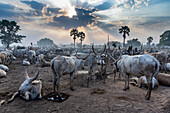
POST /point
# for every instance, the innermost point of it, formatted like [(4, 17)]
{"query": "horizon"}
[(97, 18)]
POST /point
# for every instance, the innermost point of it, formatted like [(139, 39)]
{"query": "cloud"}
[(17, 4), (5, 10), (97, 18)]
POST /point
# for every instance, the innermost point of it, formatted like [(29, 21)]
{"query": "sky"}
[(54, 19)]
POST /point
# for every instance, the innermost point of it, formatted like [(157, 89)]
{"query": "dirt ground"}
[(98, 98)]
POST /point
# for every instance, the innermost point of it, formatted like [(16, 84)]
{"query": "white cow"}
[(30, 89), (31, 56), (39, 59), (138, 65), (62, 65)]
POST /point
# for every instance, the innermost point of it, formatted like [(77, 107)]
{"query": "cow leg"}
[(72, 76), (89, 75), (119, 76), (165, 68), (149, 81), (40, 96), (125, 82), (54, 84), (58, 84), (128, 82), (115, 76), (27, 95)]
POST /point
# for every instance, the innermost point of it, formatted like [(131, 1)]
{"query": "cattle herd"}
[(142, 69)]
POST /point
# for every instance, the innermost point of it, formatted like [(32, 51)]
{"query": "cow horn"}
[(110, 49), (103, 50), (93, 49), (26, 74), (84, 57), (110, 56), (32, 79)]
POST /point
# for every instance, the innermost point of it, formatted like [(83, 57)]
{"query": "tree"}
[(149, 39), (74, 33), (8, 32), (165, 39), (46, 42), (133, 42), (124, 30), (114, 43), (82, 37)]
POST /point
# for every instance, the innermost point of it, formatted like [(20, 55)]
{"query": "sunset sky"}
[(97, 18)]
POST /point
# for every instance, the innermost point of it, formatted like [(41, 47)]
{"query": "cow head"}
[(80, 63), (81, 60), (26, 85), (99, 58)]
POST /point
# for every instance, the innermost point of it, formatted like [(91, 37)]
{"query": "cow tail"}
[(157, 69), (52, 67)]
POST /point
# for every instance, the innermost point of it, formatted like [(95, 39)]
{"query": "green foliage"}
[(149, 39), (74, 33), (124, 30), (133, 42), (114, 43), (45, 42), (8, 32), (81, 35), (165, 39)]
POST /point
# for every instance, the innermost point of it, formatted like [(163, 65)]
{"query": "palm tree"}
[(74, 32), (149, 39), (82, 36), (124, 30)]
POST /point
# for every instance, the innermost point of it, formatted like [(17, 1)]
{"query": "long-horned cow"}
[(30, 89), (138, 65), (62, 65), (116, 54), (94, 58)]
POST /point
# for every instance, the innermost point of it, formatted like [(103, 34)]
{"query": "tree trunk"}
[(74, 41), (81, 43), (124, 37)]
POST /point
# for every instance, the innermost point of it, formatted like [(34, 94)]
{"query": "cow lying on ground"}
[(138, 65), (45, 63), (30, 89), (142, 82), (3, 57)]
